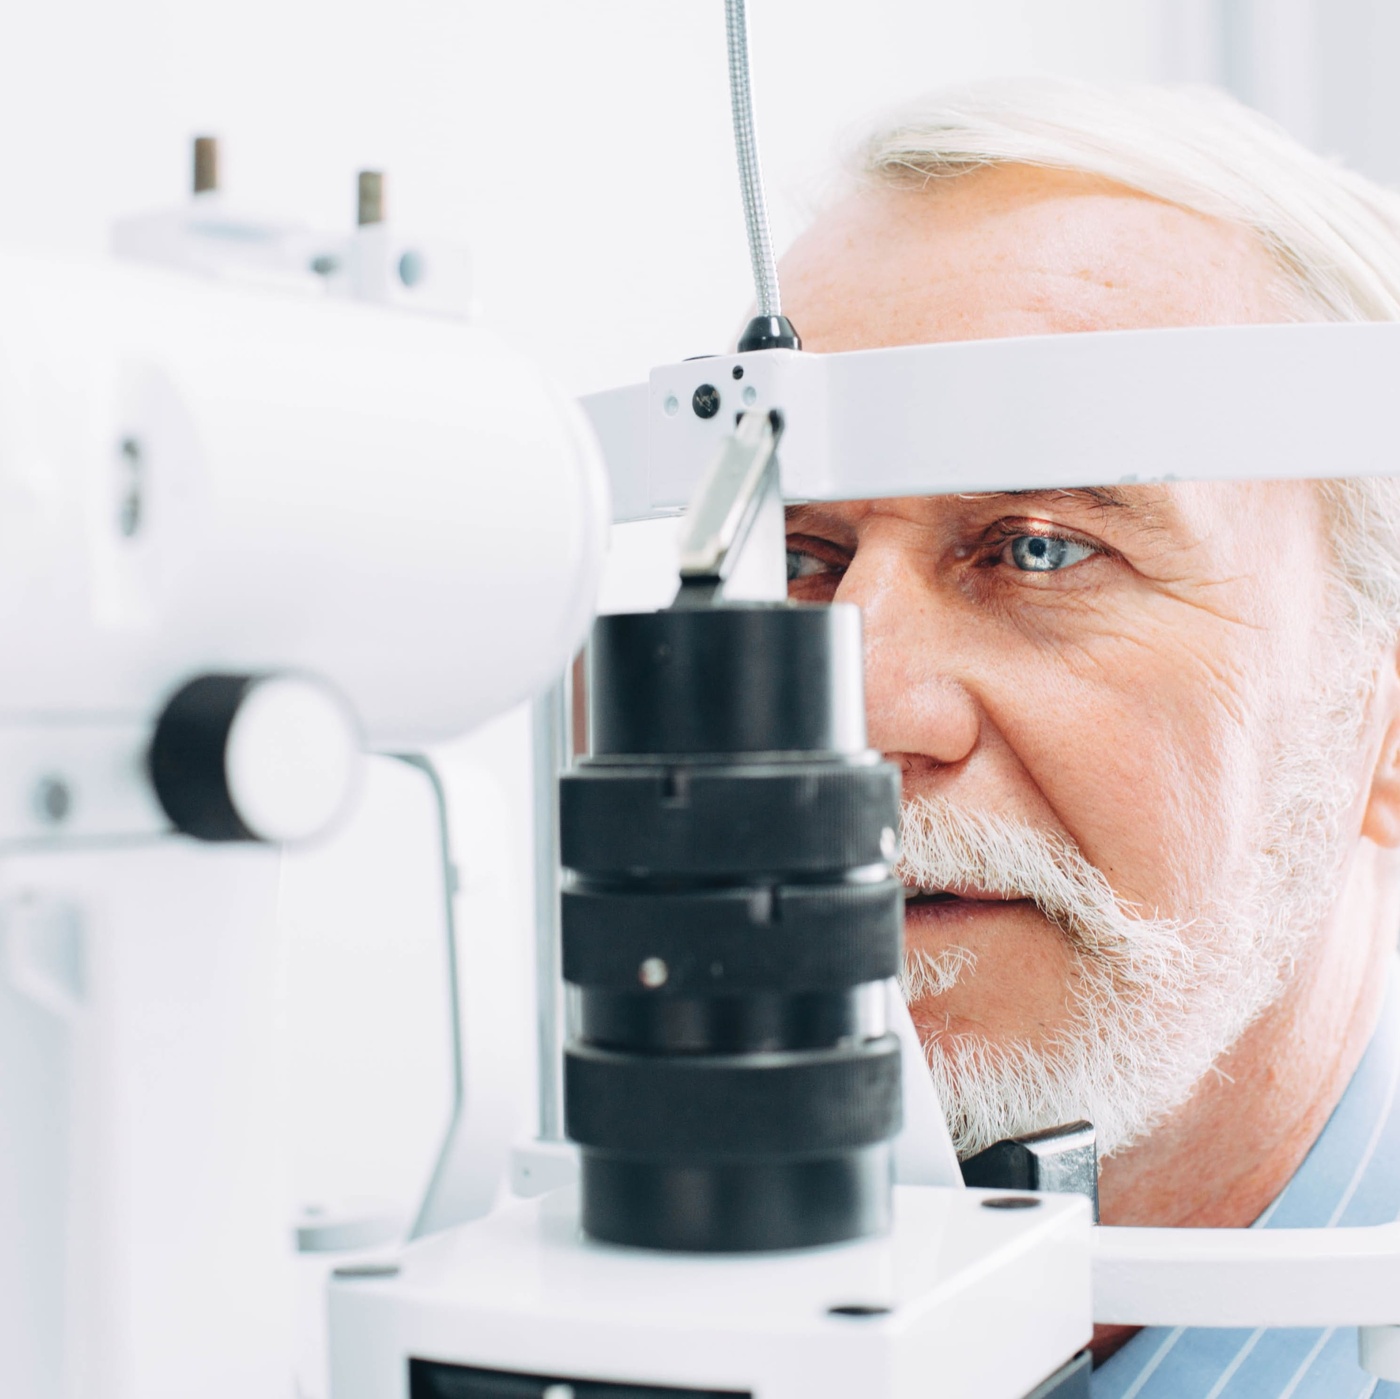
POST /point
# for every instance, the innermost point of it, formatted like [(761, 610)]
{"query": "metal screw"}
[(370, 202), (53, 800), (738, 371), (705, 401), (889, 844), (206, 164), (653, 973)]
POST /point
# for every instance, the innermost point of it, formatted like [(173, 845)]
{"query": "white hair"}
[(1333, 234)]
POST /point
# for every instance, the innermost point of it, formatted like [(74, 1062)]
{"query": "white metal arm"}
[(1198, 403), (1248, 1277)]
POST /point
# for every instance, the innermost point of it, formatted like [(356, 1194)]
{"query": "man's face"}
[(1124, 674)]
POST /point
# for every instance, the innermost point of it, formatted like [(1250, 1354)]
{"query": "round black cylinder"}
[(729, 918), (751, 678), (736, 1207), (186, 760)]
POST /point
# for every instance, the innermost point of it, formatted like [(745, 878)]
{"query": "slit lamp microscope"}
[(235, 471)]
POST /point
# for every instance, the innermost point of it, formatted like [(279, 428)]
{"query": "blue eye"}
[(1043, 553), (803, 565)]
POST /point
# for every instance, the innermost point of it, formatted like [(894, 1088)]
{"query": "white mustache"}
[(943, 847)]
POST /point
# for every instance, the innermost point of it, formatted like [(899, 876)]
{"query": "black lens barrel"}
[(728, 921)]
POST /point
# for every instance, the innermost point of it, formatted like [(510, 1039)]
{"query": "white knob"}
[(269, 758)]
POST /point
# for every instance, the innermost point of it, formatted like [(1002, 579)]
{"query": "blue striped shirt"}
[(1350, 1177)]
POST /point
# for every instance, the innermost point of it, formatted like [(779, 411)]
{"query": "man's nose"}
[(919, 708)]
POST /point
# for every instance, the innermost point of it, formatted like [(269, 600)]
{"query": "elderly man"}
[(1150, 735)]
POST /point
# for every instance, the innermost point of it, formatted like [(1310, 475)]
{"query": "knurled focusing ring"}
[(783, 938), (743, 1107), (703, 821)]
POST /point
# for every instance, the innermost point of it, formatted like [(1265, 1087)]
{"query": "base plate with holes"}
[(524, 1294)]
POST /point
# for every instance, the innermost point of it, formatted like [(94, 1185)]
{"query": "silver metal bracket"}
[(733, 545)]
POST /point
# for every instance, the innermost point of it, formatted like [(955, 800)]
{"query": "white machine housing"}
[(203, 478)]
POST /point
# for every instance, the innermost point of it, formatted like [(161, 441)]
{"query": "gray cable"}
[(765, 269), (429, 1206)]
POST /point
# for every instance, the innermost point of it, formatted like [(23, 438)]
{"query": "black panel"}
[(431, 1379)]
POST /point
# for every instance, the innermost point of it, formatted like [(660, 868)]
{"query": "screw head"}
[(53, 800), (705, 401), (889, 844), (653, 973)]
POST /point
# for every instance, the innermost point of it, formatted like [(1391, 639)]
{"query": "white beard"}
[(1157, 1000)]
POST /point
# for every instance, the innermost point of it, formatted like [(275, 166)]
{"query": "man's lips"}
[(964, 906), (961, 893)]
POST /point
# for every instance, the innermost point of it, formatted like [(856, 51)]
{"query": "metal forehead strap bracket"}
[(733, 544)]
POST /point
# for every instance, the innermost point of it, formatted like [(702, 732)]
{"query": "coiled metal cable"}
[(765, 267)]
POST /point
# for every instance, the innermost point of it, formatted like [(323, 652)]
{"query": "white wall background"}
[(582, 149)]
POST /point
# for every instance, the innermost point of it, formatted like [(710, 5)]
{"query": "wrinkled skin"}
[(1128, 698)]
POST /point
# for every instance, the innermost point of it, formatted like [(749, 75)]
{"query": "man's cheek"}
[(1145, 765)]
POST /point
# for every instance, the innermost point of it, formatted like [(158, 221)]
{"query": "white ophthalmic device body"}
[(267, 491)]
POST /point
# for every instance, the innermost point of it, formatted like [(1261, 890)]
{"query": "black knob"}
[(271, 757)]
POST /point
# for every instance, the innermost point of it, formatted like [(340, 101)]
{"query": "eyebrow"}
[(1150, 513), (1105, 497)]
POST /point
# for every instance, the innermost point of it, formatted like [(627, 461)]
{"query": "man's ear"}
[(1381, 820)]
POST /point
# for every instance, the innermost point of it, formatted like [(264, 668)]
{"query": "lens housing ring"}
[(741, 1107), (723, 941), (822, 816)]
